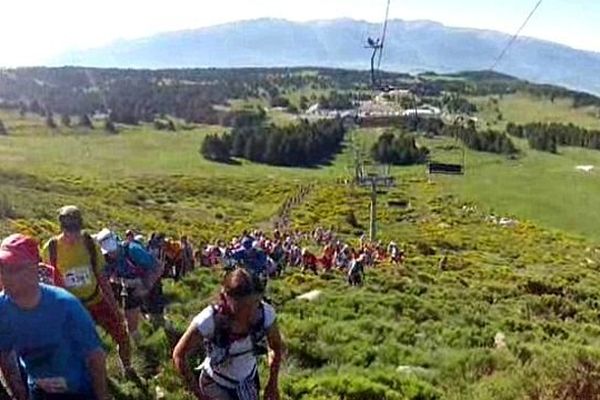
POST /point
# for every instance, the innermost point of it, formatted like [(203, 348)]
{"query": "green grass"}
[(412, 332), (523, 108), (538, 186), (140, 177)]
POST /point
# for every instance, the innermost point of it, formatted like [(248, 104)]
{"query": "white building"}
[(424, 112)]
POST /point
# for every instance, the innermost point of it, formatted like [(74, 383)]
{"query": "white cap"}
[(107, 240)]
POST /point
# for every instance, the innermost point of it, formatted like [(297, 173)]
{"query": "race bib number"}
[(52, 385), (78, 277)]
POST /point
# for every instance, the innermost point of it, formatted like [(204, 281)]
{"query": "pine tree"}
[(65, 119), (85, 121)]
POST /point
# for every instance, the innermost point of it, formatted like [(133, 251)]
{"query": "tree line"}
[(398, 148), (133, 96), (548, 136), (488, 141), (336, 101), (300, 145)]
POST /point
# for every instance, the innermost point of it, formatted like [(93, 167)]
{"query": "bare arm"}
[(12, 375), (277, 348), (107, 293), (189, 343), (96, 362)]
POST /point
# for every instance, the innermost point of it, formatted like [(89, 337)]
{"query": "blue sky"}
[(34, 30)]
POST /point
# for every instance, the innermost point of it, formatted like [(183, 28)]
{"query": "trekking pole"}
[(124, 293)]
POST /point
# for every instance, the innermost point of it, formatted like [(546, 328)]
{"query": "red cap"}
[(19, 250)]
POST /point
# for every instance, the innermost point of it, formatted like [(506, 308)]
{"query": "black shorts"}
[(126, 299), (154, 303)]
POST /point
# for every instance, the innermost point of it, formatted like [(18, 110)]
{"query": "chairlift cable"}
[(383, 34), (515, 36)]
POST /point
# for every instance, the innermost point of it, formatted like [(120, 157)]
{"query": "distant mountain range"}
[(411, 46)]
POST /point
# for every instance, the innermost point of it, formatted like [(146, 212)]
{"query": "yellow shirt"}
[(75, 265)]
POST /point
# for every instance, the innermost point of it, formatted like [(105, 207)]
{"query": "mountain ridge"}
[(412, 46)]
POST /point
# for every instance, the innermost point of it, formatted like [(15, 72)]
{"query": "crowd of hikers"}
[(270, 256), (53, 298)]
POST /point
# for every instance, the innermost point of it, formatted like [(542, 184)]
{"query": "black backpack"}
[(218, 347)]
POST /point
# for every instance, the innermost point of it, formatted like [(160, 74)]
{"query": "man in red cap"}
[(49, 331)]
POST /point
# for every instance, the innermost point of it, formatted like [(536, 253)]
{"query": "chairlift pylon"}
[(377, 45)]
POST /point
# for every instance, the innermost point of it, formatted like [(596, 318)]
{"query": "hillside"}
[(416, 332), (411, 46), (511, 314)]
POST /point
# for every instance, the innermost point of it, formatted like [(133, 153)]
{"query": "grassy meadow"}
[(522, 108), (512, 314)]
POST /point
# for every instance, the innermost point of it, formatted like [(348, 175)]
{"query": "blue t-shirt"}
[(52, 340), (133, 261)]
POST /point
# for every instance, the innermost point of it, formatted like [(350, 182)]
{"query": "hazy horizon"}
[(40, 30)]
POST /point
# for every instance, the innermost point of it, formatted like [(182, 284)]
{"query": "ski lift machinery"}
[(377, 47)]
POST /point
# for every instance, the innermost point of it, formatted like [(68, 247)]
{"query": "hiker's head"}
[(247, 243), (19, 259), (108, 241), (129, 235), (70, 219), (161, 239), (239, 292)]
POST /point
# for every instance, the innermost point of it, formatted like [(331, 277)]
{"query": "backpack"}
[(218, 347), (146, 260), (91, 249)]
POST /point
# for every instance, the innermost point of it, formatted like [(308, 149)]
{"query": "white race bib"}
[(78, 277)]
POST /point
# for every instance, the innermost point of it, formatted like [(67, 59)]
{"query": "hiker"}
[(187, 256), (129, 236), (133, 271), (79, 261), (233, 332), (140, 239), (356, 271), (250, 257), (342, 258), (396, 254), (309, 261), (48, 275), (45, 332), (327, 257), (278, 256), (156, 245)]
